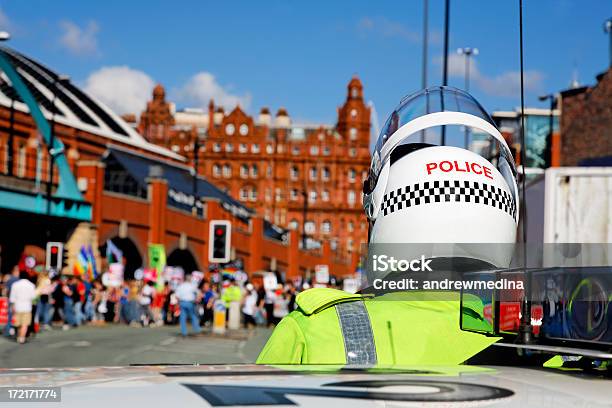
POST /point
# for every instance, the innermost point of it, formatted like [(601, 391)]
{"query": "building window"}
[(244, 194), (352, 152), (278, 194), (269, 171), (269, 149), (216, 170), (353, 113), (312, 196), (349, 245), (244, 129), (253, 194), (294, 195), (325, 195), (313, 173), (350, 226), (294, 173), (244, 171), (229, 129), (325, 174), (351, 175), (294, 224), (351, 197), (243, 148), (217, 147), (326, 227), (254, 171), (295, 151), (229, 147), (326, 151), (176, 148), (227, 171), (255, 148), (310, 227), (21, 162), (314, 150), (353, 133)]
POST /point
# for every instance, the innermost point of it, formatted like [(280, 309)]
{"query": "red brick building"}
[(586, 123), (140, 192), (298, 176)]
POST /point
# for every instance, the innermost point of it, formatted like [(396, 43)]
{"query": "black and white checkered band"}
[(448, 191)]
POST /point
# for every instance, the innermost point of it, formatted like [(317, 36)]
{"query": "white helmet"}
[(423, 188)]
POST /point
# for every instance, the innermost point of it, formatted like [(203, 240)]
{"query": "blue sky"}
[(301, 55)]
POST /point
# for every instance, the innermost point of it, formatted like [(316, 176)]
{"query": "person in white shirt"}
[(249, 306), (187, 294), (23, 293), (146, 298)]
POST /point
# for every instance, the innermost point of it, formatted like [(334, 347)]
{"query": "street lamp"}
[(608, 30), (304, 216), (467, 52), (60, 79), (549, 137)]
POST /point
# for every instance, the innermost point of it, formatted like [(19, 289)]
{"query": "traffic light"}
[(55, 256), (219, 241)]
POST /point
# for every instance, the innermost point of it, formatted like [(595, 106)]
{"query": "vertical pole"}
[(445, 70), (304, 215), (550, 133), (425, 45), (467, 89), (196, 147)]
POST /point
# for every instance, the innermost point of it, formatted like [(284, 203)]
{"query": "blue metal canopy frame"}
[(67, 200)]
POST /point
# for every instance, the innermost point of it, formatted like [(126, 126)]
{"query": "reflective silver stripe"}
[(357, 333)]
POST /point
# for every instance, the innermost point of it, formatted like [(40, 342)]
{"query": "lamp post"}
[(52, 152), (467, 53), (445, 64), (548, 149), (608, 30)]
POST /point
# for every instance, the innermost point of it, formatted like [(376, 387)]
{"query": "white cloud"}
[(123, 89), (387, 28), (506, 84), (202, 87), (77, 40)]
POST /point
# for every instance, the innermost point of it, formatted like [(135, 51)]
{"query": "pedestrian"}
[(208, 301), (69, 318), (14, 277), (44, 288), (249, 306), (146, 299), (23, 293), (187, 295), (281, 305)]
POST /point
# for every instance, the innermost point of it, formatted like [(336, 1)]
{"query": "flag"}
[(157, 260), (113, 254)]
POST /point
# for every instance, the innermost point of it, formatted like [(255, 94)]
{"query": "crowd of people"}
[(44, 302)]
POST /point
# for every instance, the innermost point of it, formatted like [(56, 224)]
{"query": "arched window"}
[(313, 173), (254, 171), (351, 197), (216, 169), (325, 175), (310, 227), (244, 171), (352, 174), (294, 173), (312, 196), (227, 171), (325, 195), (294, 224), (326, 227)]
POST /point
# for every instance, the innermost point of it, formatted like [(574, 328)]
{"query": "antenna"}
[(525, 329)]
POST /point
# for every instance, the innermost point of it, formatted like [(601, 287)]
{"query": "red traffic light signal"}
[(219, 241)]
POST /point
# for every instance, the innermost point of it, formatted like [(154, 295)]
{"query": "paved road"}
[(117, 345)]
